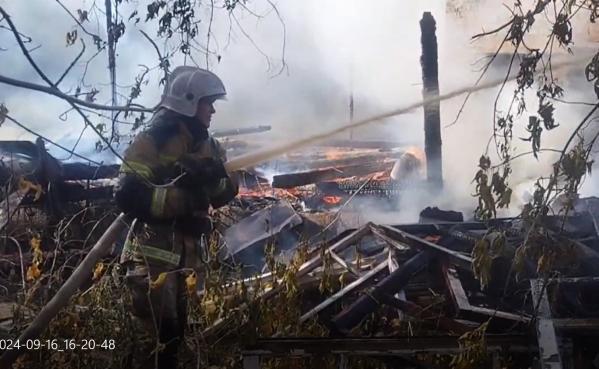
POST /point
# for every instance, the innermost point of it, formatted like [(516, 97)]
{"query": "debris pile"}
[(283, 281)]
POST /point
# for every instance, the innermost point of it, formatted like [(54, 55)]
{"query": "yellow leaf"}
[(98, 271), (191, 283), (36, 249), (159, 281), (25, 186), (35, 243), (33, 272)]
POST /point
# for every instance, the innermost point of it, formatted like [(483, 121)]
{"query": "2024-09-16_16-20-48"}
[(57, 344)]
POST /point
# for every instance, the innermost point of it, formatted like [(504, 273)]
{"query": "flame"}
[(332, 200), (250, 193), (417, 152), (268, 191), (334, 154)]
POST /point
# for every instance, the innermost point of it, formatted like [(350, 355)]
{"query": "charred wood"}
[(464, 308), (344, 291), (455, 257), (547, 339), (383, 346), (311, 163), (304, 178), (432, 120), (415, 311), (240, 131), (367, 303)]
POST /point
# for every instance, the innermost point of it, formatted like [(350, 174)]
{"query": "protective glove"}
[(201, 171), (133, 197)]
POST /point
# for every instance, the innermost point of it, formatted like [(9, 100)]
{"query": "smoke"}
[(460, 61), (332, 49)]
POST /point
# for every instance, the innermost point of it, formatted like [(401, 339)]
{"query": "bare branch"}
[(55, 91), (66, 72), (71, 99), (251, 40), (163, 62), (97, 39), (23, 48), (283, 49), (27, 38), (577, 130), (77, 142), (498, 29), (50, 141), (208, 34)]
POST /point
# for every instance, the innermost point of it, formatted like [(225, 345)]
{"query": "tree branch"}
[(22, 45), (56, 92), (72, 64), (161, 60), (49, 140), (97, 39)]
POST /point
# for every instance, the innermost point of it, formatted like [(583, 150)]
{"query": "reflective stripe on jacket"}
[(152, 156)]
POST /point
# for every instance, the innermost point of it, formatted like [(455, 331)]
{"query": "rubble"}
[(400, 293)]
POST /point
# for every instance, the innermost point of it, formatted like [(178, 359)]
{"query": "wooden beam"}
[(304, 269), (378, 233), (344, 264), (462, 304), (388, 346), (304, 178), (458, 258), (365, 304), (430, 90), (419, 313), (547, 339), (344, 291)]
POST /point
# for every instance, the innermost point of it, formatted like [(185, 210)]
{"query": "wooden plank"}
[(304, 269), (576, 325), (344, 291), (400, 295), (456, 257), (462, 304), (381, 345), (350, 317), (456, 290), (240, 131), (419, 313), (378, 233), (348, 159), (546, 337), (291, 180), (339, 246), (342, 262)]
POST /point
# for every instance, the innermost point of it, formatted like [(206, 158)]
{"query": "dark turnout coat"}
[(171, 218)]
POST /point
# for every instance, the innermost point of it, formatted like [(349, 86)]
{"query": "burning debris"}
[(438, 293)]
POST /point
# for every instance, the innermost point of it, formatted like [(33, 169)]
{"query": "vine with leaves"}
[(534, 73)]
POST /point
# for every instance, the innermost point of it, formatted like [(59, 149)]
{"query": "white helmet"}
[(187, 85)]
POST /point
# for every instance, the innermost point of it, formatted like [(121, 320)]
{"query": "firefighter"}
[(172, 174)]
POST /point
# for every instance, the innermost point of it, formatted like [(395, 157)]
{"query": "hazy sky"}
[(332, 47), (329, 46)]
